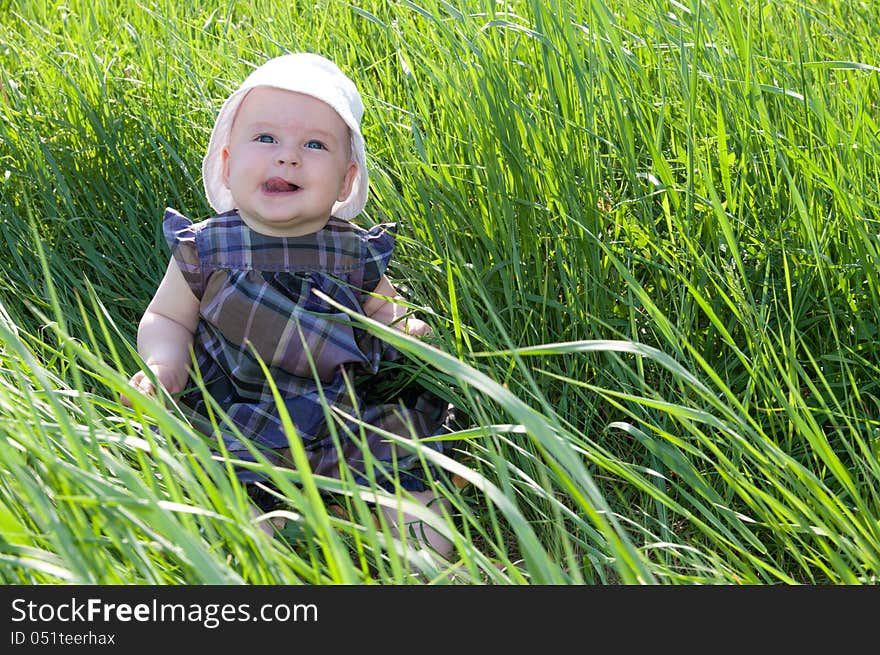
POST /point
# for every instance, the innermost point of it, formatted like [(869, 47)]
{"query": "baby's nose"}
[(288, 156)]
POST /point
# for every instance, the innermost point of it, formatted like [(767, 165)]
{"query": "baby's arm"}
[(386, 311), (165, 334)]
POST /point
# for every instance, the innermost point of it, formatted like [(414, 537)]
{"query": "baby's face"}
[(287, 162)]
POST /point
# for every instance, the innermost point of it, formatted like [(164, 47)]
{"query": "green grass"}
[(646, 235)]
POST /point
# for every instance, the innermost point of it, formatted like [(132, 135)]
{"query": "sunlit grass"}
[(646, 235)]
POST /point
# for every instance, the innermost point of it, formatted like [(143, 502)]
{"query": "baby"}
[(285, 170)]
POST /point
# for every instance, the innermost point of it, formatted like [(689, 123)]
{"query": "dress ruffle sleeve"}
[(378, 248), (181, 239)]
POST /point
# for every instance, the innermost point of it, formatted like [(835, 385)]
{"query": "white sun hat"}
[(311, 75)]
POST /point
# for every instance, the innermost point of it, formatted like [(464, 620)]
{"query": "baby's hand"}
[(416, 327), (141, 381)]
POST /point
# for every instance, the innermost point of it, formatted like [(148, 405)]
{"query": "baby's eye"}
[(265, 138), (315, 145)]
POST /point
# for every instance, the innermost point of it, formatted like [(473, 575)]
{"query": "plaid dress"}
[(256, 300)]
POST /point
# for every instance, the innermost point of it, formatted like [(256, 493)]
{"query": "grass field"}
[(646, 233)]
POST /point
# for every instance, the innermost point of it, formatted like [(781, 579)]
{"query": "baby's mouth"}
[(279, 185)]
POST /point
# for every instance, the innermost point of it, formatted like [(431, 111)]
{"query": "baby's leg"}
[(264, 501), (414, 530), (267, 525)]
